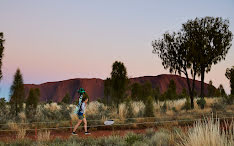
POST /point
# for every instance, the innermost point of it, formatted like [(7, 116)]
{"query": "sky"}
[(54, 40)]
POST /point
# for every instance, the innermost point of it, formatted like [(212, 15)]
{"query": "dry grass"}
[(21, 133), (43, 136), (20, 130), (208, 133), (122, 111), (137, 107), (22, 116), (73, 116), (94, 106), (52, 107)]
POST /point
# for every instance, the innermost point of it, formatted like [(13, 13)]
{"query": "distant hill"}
[(55, 91)]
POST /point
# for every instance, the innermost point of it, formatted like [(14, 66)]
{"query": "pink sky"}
[(51, 41)]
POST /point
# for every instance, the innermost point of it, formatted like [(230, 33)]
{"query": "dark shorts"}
[(81, 116)]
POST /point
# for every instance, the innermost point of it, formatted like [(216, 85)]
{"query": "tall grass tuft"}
[(209, 133), (43, 136)]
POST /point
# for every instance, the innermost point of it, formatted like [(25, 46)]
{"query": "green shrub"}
[(131, 138), (149, 132), (112, 140), (217, 107), (163, 108), (228, 99), (174, 109), (201, 103), (149, 107), (160, 138), (187, 104)]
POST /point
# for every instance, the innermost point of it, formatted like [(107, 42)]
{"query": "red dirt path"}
[(66, 134)]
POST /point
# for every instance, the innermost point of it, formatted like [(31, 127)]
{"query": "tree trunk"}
[(202, 81), (193, 87), (190, 92)]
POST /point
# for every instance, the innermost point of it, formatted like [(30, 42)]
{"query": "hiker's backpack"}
[(81, 91)]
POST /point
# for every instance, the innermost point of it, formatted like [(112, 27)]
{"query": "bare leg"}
[(85, 124), (77, 125)]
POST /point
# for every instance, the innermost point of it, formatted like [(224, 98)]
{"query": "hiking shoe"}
[(87, 133), (73, 133)]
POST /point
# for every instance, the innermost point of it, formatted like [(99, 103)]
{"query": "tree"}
[(211, 89), (107, 90), (1, 52), (149, 107), (179, 55), (119, 82), (136, 91), (146, 91), (32, 102), (221, 90), (230, 75), (17, 93), (183, 94), (156, 93), (211, 38), (171, 91), (66, 98)]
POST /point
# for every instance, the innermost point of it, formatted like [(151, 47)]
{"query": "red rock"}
[(55, 91)]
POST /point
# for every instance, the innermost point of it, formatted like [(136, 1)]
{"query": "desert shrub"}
[(174, 109), (229, 99), (141, 143), (208, 133), (160, 138), (131, 138), (149, 132), (187, 104), (163, 108), (129, 109), (217, 106), (149, 107), (4, 111), (43, 136), (201, 103), (112, 140), (122, 111), (23, 142), (138, 108)]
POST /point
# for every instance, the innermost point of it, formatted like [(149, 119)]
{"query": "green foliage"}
[(32, 102), (211, 89), (1, 52), (183, 94), (219, 106), (129, 109), (17, 93), (229, 99), (141, 92), (174, 109), (163, 108), (230, 75), (187, 104), (136, 91), (149, 107), (156, 93), (66, 98), (3, 110), (2, 104), (131, 138), (201, 103), (178, 56), (107, 90), (212, 39), (170, 94), (116, 86)]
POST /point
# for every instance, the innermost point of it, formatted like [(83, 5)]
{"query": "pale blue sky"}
[(52, 40)]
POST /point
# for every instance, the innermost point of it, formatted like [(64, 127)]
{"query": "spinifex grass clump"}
[(209, 133)]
